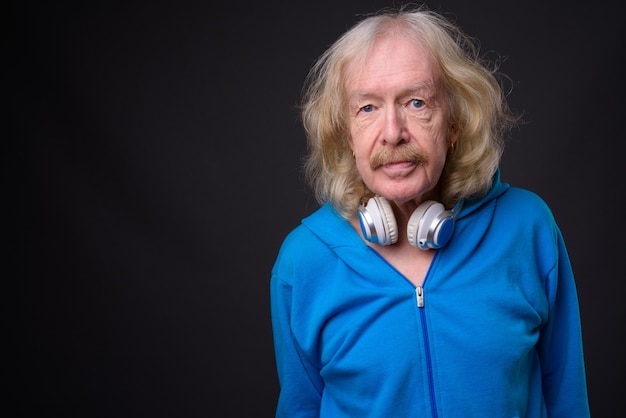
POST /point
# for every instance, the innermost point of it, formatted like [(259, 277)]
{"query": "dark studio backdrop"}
[(153, 169)]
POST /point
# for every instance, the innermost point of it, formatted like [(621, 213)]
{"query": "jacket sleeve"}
[(560, 345), (300, 383)]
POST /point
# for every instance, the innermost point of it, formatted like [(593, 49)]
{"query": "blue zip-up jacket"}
[(493, 332)]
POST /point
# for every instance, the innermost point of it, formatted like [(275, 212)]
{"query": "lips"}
[(398, 164), (399, 169)]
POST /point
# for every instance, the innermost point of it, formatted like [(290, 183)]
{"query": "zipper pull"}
[(419, 293)]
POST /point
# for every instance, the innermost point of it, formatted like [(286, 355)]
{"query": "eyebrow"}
[(423, 88)]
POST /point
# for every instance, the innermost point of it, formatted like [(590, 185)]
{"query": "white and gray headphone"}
[(430, 225)]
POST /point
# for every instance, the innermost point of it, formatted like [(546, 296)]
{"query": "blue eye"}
[(367, 108), (417, 103)]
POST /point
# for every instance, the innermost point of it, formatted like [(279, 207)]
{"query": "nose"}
[(394, 128)]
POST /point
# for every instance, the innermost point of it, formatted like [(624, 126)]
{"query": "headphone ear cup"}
[(430, 226), (378, 223)]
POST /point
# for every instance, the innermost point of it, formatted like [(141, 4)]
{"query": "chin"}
[(400, 197), (403, 196)]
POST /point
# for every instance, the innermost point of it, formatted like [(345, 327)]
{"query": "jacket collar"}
[(471, 205)]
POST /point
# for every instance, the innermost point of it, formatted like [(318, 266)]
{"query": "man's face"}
[(398, 120)]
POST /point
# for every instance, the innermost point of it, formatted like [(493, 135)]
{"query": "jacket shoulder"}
[(526, 204), (301, 255)]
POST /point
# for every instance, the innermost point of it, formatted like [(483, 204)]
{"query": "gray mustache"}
[(397, 154)]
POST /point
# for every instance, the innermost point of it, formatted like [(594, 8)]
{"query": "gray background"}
[(153, 169)]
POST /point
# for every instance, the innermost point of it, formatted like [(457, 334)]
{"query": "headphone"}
[(430, 225)]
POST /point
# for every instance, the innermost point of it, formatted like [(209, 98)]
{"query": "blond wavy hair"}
[(478, 109)]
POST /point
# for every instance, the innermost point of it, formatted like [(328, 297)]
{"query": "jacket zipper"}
[(419, 293)]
